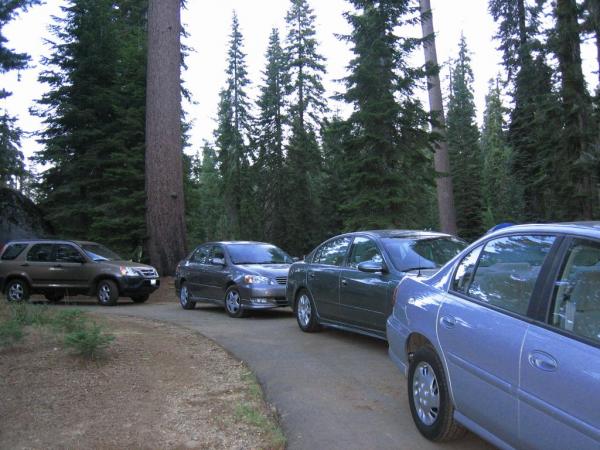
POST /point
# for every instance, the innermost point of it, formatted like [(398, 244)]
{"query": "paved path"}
[(333, 390)]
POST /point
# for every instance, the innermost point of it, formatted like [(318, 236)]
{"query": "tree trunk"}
[(164, 166), (445, 195)]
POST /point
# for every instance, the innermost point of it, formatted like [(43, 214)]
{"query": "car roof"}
[(586, 228), (237, 243), (49, 241), (415, 234)]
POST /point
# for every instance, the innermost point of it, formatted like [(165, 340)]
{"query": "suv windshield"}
[(100, 253), (257, 254), (429, 253)]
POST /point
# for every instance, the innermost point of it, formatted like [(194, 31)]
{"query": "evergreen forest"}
[(283, 166)]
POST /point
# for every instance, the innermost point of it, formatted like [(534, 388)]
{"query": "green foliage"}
[(89, 341), (11, 332), (94, 113), (27, 314), (69, 321), (463, 146)]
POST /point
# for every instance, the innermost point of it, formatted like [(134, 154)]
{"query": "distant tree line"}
[(283, 167)]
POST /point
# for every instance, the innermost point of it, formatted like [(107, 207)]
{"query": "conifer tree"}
[(502, 196), (389, 168), (12, 166), (232, 137), (463, 146)]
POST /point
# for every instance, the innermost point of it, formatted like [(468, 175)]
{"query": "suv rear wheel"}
[(107, 292), (17, 290)]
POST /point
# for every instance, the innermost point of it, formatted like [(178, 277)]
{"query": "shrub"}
[(89, 341), (69, 320), (11, 332), (26, 314)]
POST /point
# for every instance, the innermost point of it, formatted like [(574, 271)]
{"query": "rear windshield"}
[(430, 253), (12, 251), (99, 252), (257, 254)]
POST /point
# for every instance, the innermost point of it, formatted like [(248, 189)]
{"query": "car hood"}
[(266, 270)]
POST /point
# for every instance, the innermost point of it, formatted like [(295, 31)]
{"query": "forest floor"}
[(157, 386)]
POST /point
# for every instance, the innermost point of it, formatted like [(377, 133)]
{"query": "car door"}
[(482, 325), (365, 297), (38, 263), (323, 276), (70, 269), (559, 393), (193, 271), (216, 274)]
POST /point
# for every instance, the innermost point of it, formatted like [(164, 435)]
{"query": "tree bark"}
[(445, 195), (164, 166)]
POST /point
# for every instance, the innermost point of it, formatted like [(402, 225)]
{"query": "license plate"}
[(152, 282)]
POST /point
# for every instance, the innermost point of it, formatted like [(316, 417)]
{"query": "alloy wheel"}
[(183, 296), (304, 310), (16, 292), (104, 294), (233, 301)]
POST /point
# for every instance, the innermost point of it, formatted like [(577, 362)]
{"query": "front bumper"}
[(138, 285), (263, 297)]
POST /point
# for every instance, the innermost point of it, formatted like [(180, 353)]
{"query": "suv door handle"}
[(448, 321), (311, 275), (57, 265), (542, 361)]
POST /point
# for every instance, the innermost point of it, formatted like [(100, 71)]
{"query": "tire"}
[(305, 312), (233, 304), (430, 404), (17, 291), (54, 297), (184, 298), (140, 298), (107, 292)]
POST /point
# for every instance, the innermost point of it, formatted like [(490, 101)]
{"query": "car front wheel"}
[(107, 293), (233, 303), (184, 298), (17, 291), (305, 312), (430, 403)]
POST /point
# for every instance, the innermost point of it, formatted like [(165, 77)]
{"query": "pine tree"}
[(389, 160), (232, 137), (463, 146), (12, 166), (270, 128), (306, 109), (502, 195)]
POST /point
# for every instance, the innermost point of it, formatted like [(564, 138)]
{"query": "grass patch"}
[(89, 341), (11, 332)]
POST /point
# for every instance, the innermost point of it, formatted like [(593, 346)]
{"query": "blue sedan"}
[(505, 340)]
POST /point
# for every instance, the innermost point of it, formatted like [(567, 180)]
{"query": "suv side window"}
[(576, 299), (66, 253), (200, 256), (332, 253), (40, 253), (507, 271), (364, 249), (12, 251)]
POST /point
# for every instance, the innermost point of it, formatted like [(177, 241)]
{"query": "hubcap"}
[(183, 295), (16, 292), (233, 301), (104, 293), (426, 393), (304, 310)]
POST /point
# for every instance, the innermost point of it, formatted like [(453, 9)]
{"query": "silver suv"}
[(57, 268)]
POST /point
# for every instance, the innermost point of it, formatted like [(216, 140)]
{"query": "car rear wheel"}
[(430, 403), (184, 298), (54, 297), (306, 313), (140, 298), (233, 303), (107, 293), (17, 291)]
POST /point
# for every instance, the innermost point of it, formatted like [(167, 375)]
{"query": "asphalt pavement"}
[(332, 389)]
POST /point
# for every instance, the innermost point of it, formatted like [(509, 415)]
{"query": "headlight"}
[(257, 279), (128, 272)]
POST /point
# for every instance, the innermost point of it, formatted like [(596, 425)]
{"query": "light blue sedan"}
[(505, 340)]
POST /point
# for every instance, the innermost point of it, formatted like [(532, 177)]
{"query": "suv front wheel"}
[(107, 292), (17, 290)]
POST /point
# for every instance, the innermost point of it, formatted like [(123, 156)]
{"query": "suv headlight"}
[(257, 279), (128, 272)]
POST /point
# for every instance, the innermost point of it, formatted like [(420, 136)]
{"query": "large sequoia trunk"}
[(164, 167), (445, 195)]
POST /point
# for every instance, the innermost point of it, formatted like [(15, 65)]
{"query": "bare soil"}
[(158, 386)]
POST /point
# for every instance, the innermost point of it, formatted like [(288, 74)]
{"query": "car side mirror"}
[(217, 261), (372, 267)]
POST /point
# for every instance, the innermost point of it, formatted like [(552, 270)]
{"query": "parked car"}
[(348, 281), (505, 340), (239, 275), (55, 268)]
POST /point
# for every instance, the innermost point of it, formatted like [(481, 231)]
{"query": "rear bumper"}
[(138, 285)]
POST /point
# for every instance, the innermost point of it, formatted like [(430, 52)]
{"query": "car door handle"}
[(344, 282), (311, 275), (448, 321), (543, 361)]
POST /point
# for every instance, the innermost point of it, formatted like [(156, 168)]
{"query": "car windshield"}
[(257, 254), (100, 253), (429, 253)]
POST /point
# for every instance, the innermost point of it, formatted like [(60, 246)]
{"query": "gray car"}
[(239, 275)]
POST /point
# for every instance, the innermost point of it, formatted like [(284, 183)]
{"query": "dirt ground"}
[(159, 386)]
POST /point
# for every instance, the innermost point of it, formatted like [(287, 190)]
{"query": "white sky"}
[(209, 26)]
